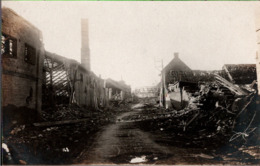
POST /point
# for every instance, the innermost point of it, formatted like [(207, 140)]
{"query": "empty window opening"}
[(29, 54), (9, 46)]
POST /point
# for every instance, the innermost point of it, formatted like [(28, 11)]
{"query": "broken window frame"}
[(29, 54), (8, 46)]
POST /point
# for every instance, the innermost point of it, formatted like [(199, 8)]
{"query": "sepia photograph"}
[(136, 83)]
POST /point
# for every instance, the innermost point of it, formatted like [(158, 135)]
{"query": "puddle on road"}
[(141, 159), (138, 106), (144, 157), (65, 149)]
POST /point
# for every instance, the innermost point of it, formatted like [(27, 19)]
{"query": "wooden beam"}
[(57, 123), (230, 85), (228, 73)]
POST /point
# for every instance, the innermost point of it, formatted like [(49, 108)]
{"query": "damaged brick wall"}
[(22, 62), (21, 77)]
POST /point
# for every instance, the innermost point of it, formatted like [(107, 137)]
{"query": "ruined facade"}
[(36, 79), (175, 70), (22, 61)]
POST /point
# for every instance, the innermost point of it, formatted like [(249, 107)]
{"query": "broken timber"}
[(230, 86), (228, 73), (194, 117), (56, 123)]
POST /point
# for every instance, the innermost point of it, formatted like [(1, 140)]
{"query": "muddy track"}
[(122, 141)]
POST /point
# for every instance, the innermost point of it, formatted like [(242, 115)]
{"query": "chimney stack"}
[(176, 55), (85, 52)]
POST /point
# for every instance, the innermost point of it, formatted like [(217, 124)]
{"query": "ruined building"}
[(117, 90), (172, 71), (181, 82), (22, 61), (34, 79)]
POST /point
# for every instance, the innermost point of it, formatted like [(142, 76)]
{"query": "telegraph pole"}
[(159, 66), (162, 86)]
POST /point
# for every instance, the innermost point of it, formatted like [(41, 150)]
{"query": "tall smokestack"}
[(85, 52), (176, 55)]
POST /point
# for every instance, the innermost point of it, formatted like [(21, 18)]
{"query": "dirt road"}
[(123, 142), (131, 137)]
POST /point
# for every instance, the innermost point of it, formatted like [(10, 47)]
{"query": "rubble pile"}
[(75, 112), (63, 112), (119, 103), (218, 110), (221, 119), (36, 143)]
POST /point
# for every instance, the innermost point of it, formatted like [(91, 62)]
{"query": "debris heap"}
[(219, 109)]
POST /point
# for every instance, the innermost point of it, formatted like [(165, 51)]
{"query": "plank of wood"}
[(230, 86), (229, 75), (192, 119), (56, 123)]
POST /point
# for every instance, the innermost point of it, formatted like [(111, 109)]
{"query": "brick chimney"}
[(85, 52), (176, 55)]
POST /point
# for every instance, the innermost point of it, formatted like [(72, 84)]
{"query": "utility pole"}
[(163, 86), (159, 66)]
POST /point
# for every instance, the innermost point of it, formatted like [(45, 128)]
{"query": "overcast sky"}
[(126, 38)]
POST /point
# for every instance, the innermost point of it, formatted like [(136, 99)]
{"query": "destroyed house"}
[(117, 90), (176, 70), (22, 60), (181, 83), (181, 91)]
